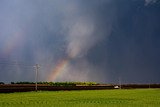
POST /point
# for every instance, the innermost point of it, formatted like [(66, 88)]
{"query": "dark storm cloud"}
[(133, 46), (105, 39)]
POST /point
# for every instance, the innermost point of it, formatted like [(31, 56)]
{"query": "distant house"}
[(116, 87)]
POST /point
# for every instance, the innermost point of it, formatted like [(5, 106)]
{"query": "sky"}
[(80, 40)]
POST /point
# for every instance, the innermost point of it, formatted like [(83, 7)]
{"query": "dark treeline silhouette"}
[(59, 83)]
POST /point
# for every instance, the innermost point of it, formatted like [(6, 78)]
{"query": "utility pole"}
[(120, 84), (36, 76)]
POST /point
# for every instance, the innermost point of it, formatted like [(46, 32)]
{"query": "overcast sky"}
[(100, 40)]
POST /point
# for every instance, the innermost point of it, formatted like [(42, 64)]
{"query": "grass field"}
[(90, 98)]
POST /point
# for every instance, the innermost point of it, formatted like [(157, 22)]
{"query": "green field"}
[(90, 98)]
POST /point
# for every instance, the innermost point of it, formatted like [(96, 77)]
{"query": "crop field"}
[(85, 98)]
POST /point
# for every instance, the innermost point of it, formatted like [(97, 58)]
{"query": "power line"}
[(14, 63)]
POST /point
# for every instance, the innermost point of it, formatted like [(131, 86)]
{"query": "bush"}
[(1, 82)]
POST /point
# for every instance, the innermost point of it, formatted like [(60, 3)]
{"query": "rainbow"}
[(56, 71), (12, 43), (60, 67)]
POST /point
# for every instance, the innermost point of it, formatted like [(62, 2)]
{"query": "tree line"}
[(60, 83)]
